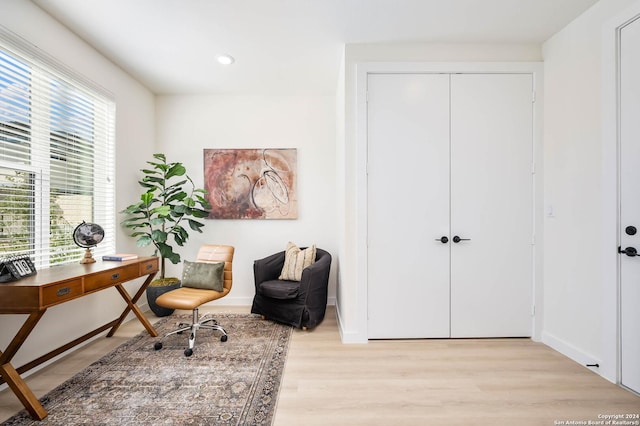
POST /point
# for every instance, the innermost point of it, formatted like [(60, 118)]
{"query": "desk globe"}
[(87, 235)]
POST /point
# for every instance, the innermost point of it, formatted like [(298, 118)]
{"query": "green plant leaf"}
[(167, 252), (133, 208), (180, 209), (176, 169), (196, 226), (177, 185), (150, 172), (159, 236), (146, 198), (203, 202), (149, 186), (160, 166), (144, 241), (158, 180), (131, 221), (180, 235), (199, 213), (161, 210), (157, 221), (178, 196)]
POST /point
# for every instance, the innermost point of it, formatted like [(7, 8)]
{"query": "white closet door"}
[(630, 204), (408, 205), (491, 205)]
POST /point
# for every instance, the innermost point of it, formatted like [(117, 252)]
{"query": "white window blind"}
[(57, 134)]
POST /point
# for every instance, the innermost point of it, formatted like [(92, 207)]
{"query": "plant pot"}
[(153, 292)]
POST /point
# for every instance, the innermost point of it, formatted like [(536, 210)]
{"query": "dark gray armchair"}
[(300, 304)]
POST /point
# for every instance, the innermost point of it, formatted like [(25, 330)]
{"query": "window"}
[(56, 156)]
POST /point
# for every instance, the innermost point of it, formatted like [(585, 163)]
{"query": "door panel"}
[(630, 204), (449, 156), (408, 205), (491, 204)]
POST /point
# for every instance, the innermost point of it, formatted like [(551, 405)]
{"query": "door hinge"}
[(533, 311), (367, 97), (533, 97), (533, 168)]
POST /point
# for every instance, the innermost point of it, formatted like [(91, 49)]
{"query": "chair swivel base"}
[(196, 324)]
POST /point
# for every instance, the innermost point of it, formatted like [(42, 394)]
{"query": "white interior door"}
[(491, 205), (449, 156), (408, 205), (630, 204)]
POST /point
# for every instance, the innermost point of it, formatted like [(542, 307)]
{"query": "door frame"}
[(611, 284), (362, 72)]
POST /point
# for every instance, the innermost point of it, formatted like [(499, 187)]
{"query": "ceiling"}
[(286, 46)]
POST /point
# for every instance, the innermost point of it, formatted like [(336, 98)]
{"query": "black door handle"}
[(443, 239), (457, 239), (629, 251)]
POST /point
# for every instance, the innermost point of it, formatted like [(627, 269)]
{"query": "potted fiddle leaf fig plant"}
[(167, 211)]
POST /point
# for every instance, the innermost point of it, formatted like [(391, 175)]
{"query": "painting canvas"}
[(251, 183)]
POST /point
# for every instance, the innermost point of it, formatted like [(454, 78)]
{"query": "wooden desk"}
[(49, 287)]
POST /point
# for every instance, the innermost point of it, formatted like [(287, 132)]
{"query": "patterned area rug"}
[(223, 383)]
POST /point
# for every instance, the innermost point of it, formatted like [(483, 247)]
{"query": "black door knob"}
[(443, 239), (629, 251), (457, 239), (630, 230)]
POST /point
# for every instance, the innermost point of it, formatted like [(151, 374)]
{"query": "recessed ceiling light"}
[(226, 59)]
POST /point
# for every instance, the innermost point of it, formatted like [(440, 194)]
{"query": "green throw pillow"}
[(204, 275)]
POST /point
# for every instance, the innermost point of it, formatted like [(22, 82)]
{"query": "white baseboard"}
[(570, 351), (348, 337)]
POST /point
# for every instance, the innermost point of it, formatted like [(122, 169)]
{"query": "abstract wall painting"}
[(251, 183)]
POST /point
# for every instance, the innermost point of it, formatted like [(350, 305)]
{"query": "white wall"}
[(341, 168), (351, 303), (186, 125), (580, 312), (134, 139)]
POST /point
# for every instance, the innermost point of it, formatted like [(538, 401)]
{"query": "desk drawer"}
[(61, 292), (111, 277), (149, 267)]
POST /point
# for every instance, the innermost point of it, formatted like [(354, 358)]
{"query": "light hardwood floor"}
[(408, 382)]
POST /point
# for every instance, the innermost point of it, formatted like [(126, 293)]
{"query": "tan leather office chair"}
[(188, 298)]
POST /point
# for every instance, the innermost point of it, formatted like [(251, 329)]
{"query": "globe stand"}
[(88, 257)]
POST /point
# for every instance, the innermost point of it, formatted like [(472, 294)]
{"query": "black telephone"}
[(16, 267)]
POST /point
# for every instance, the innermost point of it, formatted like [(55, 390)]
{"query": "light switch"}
[(549, 211)]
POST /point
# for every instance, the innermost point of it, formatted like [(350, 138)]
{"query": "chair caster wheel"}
[(223, 338), (188, 352), (180, 332), (157, 346)]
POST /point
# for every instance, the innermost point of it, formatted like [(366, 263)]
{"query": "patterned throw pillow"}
[(203, 275), (295, 260)]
